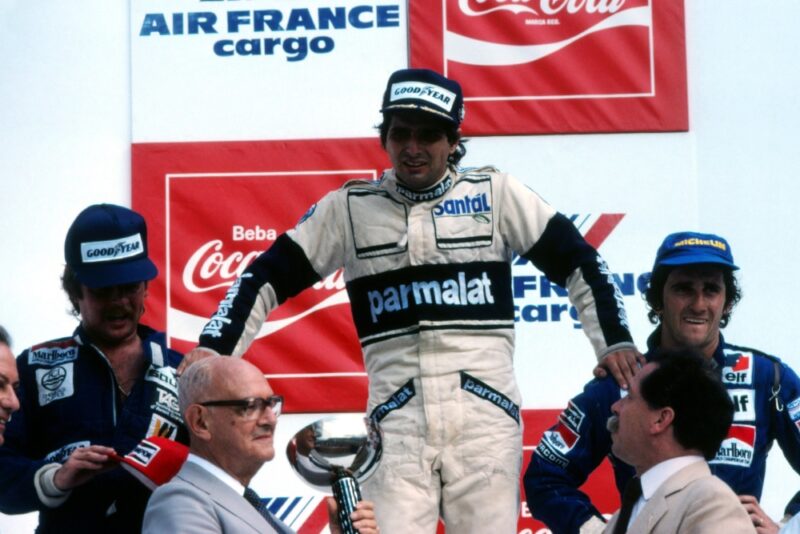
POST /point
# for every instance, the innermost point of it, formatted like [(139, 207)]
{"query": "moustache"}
[(612, 425)]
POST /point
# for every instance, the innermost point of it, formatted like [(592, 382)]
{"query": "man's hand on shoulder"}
[(763, 523), (194, 355), (622, 365), (82, 465)]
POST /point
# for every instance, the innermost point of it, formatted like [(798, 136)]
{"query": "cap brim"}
[(114, 274), (696, 259), (417, 107)]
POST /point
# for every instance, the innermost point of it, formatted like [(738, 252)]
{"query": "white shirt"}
[(217, 472), (657, 475)]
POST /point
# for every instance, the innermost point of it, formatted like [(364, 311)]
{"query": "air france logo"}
[(468, 205), (433, 94), (115, 249), (453, 292)]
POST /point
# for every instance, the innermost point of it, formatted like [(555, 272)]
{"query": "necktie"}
[(253, 498), (633, 490)]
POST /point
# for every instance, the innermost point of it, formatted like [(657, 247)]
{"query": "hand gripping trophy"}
[(337, 452)]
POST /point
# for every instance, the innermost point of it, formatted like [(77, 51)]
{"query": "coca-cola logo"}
[(545, 7), (209, 268)]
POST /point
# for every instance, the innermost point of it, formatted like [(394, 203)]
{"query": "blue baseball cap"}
[(106, 245), (687, 248), (424, 90)]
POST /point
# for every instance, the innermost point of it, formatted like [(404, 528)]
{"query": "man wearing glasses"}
[(231, 413), (103, 389)]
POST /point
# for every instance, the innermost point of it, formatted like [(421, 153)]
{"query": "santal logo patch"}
[(467, 205), (738, 447)]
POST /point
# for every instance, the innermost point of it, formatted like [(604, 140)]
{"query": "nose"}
[(615, 407), (267, 417), (9, 400)]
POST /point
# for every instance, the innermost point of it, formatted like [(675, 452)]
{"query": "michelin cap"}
[(424, 90), (107, 246), (686, 248)]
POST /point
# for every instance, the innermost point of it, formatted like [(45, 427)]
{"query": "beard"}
[(612, 425)]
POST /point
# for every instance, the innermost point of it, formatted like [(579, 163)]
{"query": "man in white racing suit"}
[(426, 252)]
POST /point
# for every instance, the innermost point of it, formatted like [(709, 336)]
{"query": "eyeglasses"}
[(250, 408)]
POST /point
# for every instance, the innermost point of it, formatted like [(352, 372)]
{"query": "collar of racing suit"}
[(436, 191), (654, 342)]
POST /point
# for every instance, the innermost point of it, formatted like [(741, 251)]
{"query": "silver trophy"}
[(337, 452)]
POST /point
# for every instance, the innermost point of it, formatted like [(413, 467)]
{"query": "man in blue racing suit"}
[(104, 389), (426, 252), (692, 291)]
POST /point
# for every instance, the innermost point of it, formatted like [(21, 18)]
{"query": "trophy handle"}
[(347, 493)]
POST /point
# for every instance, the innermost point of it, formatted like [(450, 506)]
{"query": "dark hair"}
[(685, 381), (450, 130), (5, 337), (72, 287), (654, 295)]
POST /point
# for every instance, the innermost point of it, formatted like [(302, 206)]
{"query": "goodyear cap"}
[(424, 90), (107, 246), (686, 248)]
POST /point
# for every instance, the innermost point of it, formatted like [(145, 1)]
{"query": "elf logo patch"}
[(738, 368), (744, 404)]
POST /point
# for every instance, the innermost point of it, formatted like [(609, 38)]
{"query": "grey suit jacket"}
[(691, 501), (195, 501)]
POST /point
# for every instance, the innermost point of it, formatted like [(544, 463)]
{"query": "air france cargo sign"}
[(219, 70), (558, 66)]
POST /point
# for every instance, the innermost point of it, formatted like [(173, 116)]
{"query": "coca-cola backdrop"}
[(558, 66), (212, 208)]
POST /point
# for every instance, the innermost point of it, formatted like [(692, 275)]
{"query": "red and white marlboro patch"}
[(542, 66), (211, 209), (738, 447)]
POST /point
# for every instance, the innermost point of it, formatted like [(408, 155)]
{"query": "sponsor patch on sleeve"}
[(161, 426), (794, 410), (164, 376), (572, 416), (556, 443), (165, 402), (55, 383), (61, 455)]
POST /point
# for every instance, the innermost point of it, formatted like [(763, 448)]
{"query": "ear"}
[(196, 420), (663, 420), (454, 146)]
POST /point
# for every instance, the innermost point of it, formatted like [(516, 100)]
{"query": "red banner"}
[(558, 66), (211, 209)]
